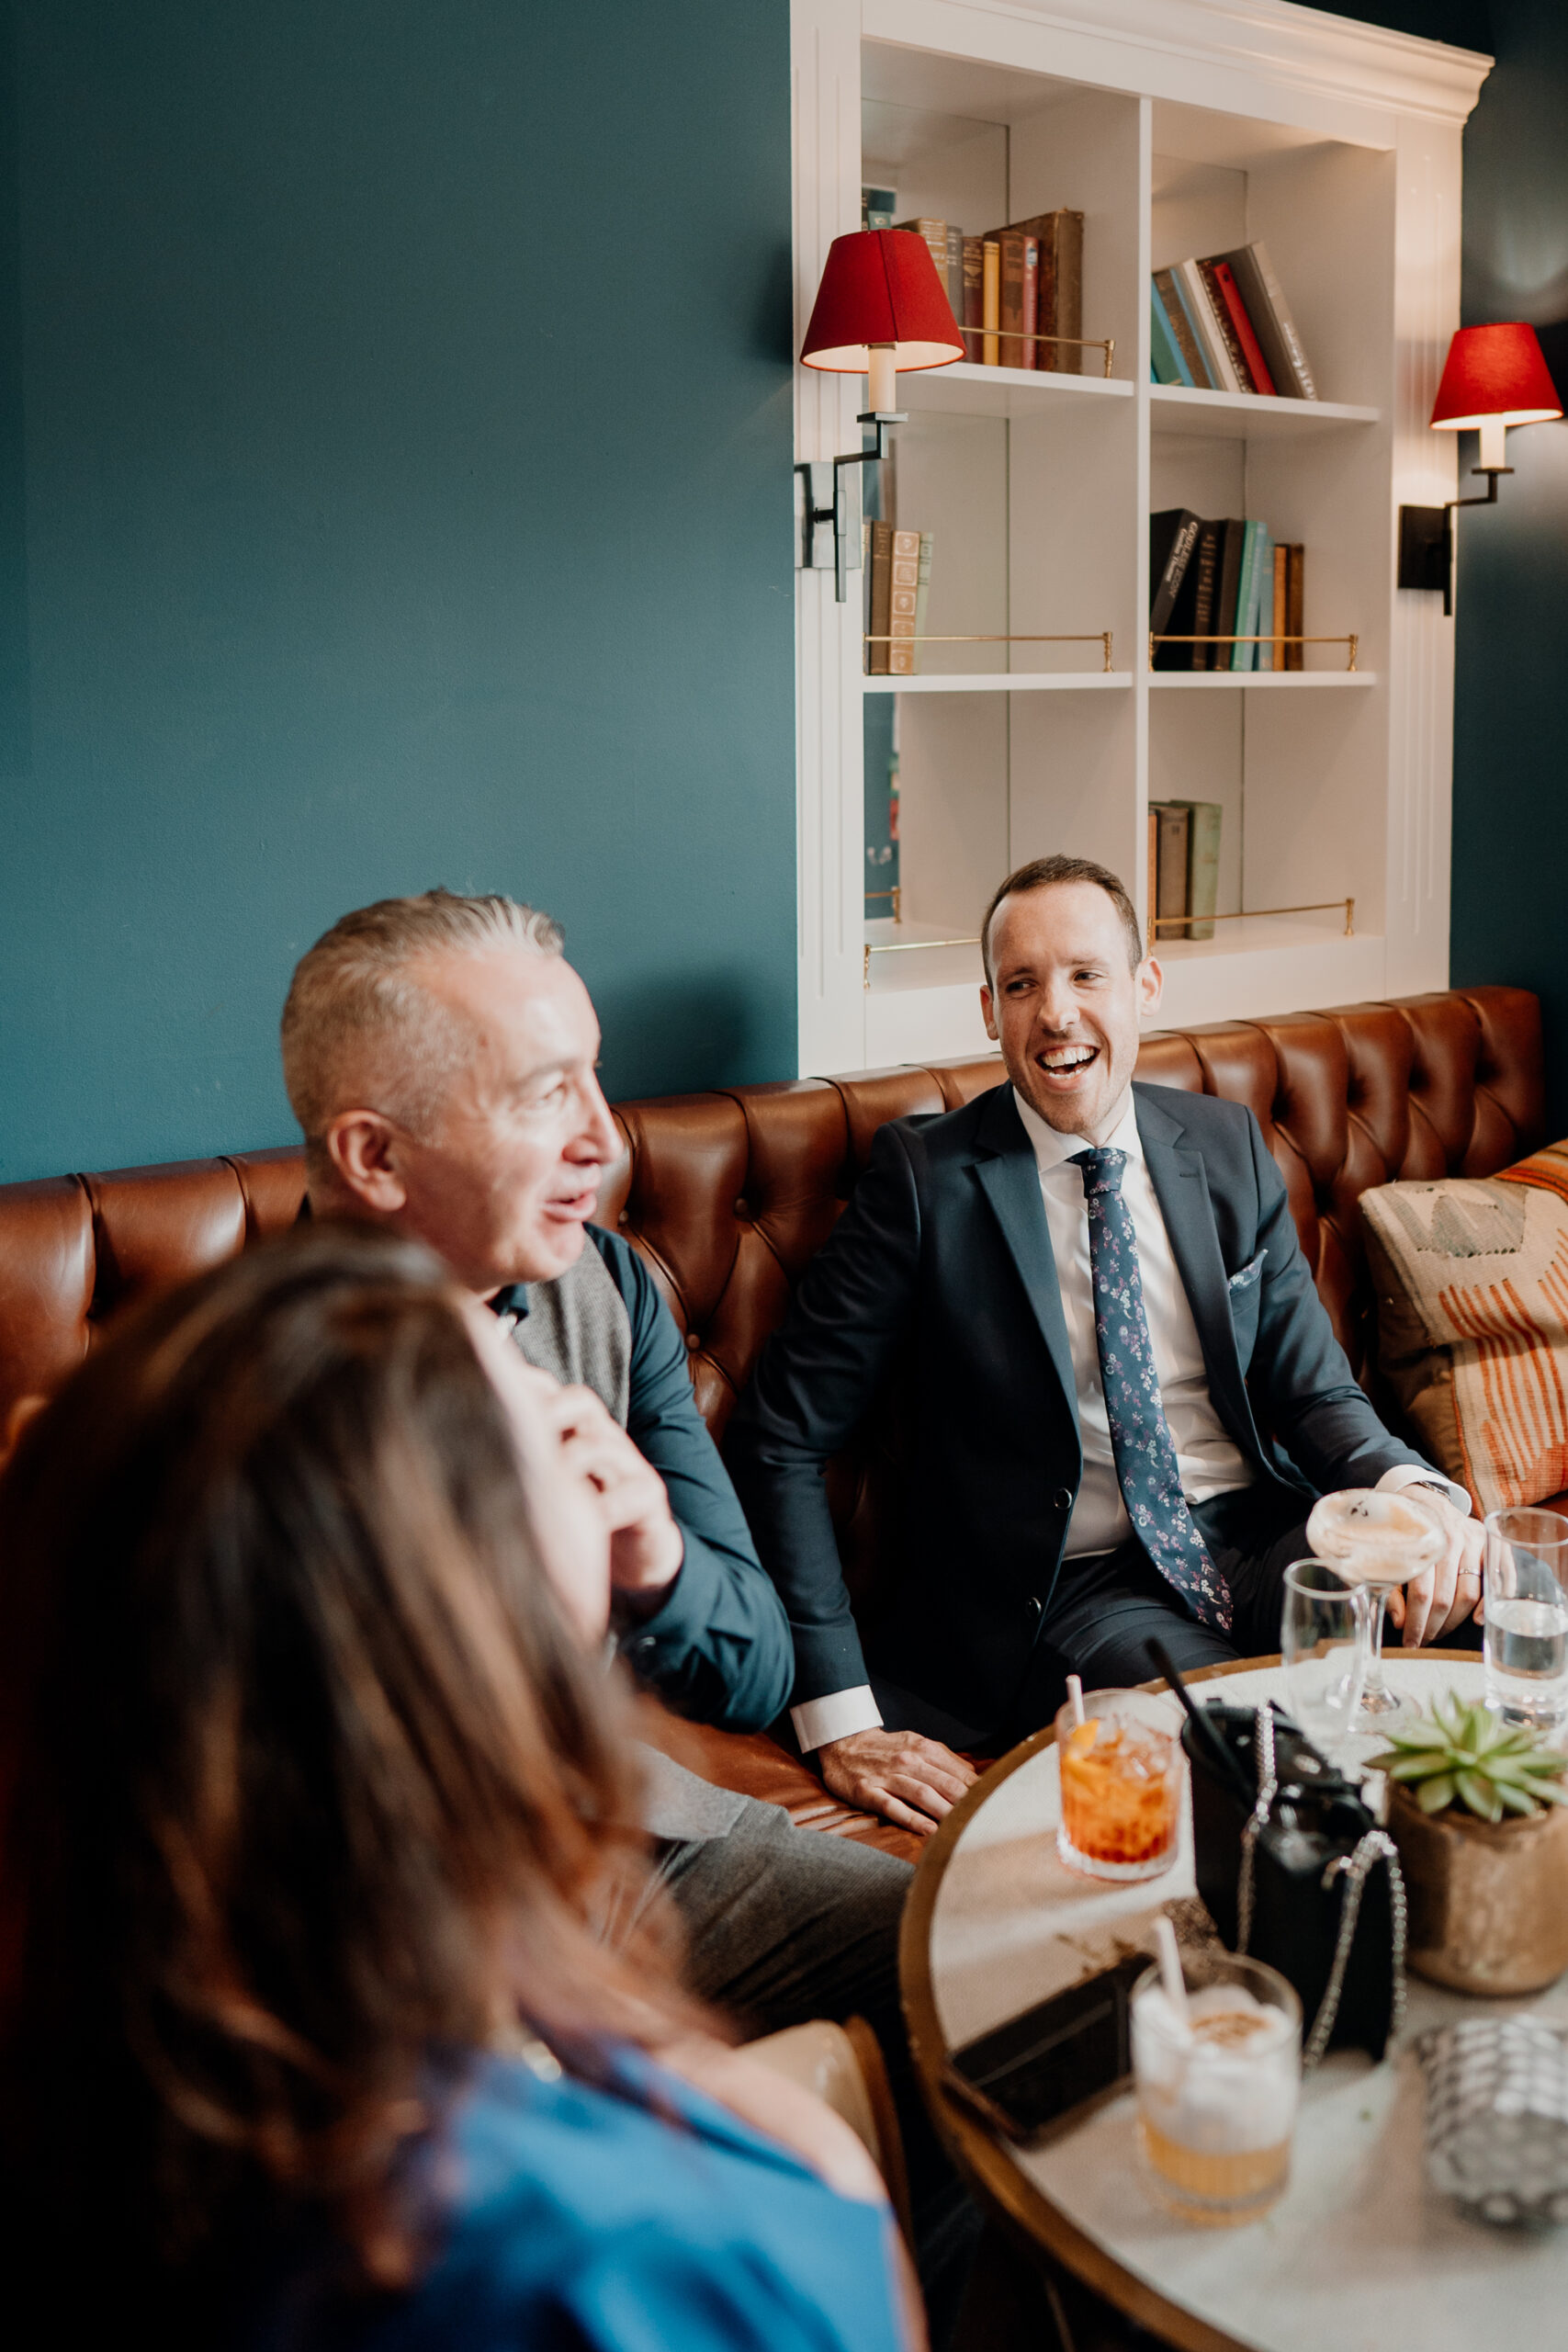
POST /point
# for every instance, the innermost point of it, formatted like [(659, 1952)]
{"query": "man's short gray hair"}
[(359, 1031)]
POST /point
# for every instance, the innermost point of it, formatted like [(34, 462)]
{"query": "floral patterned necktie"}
[(1139, 1435)]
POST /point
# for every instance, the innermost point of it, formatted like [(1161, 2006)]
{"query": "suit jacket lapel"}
[(1007, 1175), (1181, 1188)]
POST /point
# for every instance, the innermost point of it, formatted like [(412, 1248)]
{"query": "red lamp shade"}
[(1495, 373), (880, 287)]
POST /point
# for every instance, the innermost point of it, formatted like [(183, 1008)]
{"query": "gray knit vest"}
[(577, 1328)]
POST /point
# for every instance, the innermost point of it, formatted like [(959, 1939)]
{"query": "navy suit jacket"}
[(942, 1268)]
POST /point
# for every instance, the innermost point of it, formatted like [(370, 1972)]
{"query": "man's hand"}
[(1442, 1596), (645, 1545), (909, 1780)]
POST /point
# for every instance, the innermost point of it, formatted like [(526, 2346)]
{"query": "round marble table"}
[(1359, 2253)]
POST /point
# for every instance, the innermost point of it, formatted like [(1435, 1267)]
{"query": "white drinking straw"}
[(1170, 1968), (1075, 1692)]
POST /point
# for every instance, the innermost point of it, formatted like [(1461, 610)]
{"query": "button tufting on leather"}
[(743, 1211), (693, 1342)]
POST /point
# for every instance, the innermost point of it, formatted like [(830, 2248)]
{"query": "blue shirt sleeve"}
[(718, 1649)]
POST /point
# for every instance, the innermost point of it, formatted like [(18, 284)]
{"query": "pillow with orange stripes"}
[(1472, 1280)]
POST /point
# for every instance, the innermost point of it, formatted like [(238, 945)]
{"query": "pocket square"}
[(1249, 1272)]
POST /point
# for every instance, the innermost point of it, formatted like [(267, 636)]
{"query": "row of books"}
[(1225, 580), (1010, 287), (897, 566), (1224, 325), (1184, 868)]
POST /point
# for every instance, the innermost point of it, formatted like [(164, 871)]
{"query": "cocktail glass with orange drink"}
[(1121, 1785)]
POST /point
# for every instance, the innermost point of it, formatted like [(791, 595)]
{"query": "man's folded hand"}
[(911, 1782)]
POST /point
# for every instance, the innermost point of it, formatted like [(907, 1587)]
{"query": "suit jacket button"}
[(1033, 1607), (1063, 1498)]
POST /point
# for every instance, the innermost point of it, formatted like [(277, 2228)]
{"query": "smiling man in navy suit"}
[(1127, 1391)]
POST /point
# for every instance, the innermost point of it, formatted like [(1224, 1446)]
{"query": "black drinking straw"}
[(1221, 1756)]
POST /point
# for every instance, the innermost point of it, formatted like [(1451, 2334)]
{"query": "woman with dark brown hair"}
[(313, 1785)]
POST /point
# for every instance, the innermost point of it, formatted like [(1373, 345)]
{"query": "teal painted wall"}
[(398, 400), (1510, 838)]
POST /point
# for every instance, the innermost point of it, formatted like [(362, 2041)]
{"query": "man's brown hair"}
[(1039, 874)]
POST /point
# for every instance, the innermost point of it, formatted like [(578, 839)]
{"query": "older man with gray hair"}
[(440, 1055)]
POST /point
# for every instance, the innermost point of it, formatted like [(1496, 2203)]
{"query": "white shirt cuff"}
[(835, 1717), (1415, 1473)]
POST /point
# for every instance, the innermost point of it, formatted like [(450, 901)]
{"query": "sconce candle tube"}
[(881, 382)]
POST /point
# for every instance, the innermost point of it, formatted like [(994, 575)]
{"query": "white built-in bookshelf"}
[(1176, 127)]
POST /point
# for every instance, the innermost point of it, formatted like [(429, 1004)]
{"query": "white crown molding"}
[(1301, 48)]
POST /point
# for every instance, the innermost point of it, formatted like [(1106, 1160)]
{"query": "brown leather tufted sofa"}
[(728, 1195)]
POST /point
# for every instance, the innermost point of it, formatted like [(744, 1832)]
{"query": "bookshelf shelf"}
[(1004, 682), (1247, 416), (966, 389), (1339, 145), (1273, 680)]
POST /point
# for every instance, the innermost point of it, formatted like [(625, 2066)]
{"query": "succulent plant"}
[(1463, 1754)]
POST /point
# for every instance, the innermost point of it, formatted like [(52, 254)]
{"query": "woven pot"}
[(1488, 1904)]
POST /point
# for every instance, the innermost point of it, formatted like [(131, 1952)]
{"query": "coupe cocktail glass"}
[(1375, 1540)]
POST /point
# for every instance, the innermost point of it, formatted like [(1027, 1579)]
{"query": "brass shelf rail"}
[(897, 895), (905, 947), (1157, 924), (1067, 342), (1352, 642), (1100, 636)]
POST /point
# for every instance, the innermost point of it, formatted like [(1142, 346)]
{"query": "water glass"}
[(1526, 1629), (1324, 1653), (1217, 2091)]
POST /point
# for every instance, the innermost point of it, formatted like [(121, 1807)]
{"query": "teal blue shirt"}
[(572, 2220)]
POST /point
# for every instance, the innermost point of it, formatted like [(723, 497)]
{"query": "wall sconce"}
[(880, 307), (1494, 377)]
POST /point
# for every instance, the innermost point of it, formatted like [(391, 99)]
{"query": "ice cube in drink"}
[(1217, 2092)]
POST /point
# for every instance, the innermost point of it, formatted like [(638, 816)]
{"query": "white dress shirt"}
[(1209, 1461)]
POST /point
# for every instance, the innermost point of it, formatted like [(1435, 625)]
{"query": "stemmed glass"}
[(1375, 1540), (1323, 1651)]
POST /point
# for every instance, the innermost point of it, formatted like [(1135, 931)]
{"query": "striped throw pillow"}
[(1472, 1280)]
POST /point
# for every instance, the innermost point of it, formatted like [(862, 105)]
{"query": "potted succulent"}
[(1477, 1810)]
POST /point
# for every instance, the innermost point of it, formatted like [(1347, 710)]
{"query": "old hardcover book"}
[(971, 318), (1282, 567), (1059, 304), (1019, 264), (1173, 535), (953, 276), (903, 597), (1295, 605), (1174, 302), (1166, 354), (879, 589), (1233, 540), (922, 595), (1227, 326), (990, 298), (1170, 871), (1202, 867), (1203, 572), (1244, 652), (1152, 886), (1263, 601), (1201, 310), (1271, 315), (1230, 293)]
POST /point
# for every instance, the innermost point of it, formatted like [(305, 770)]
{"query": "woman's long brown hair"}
[(305, 1787)]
